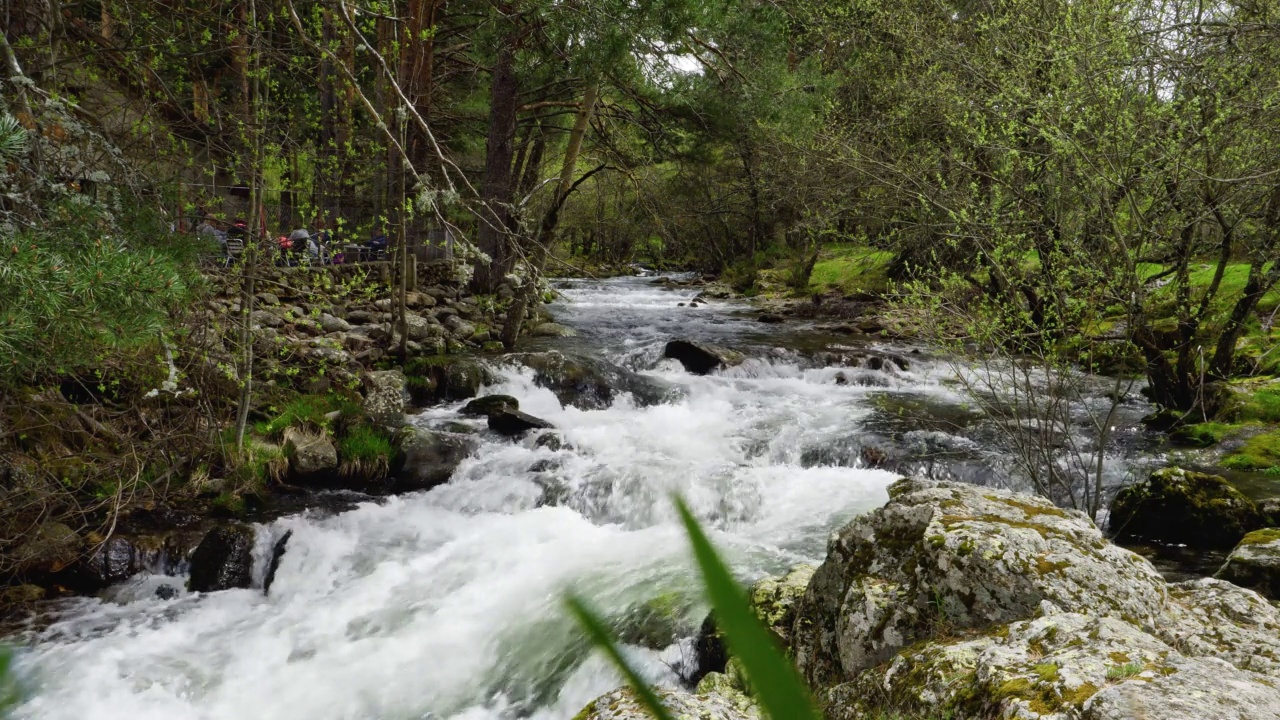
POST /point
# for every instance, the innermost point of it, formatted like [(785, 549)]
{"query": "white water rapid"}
[(448, 603)]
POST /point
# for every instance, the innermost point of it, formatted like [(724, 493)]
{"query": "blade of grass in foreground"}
[(774, 681), (601, 638)]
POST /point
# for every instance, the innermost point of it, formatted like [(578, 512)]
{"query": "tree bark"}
[(496, 192)]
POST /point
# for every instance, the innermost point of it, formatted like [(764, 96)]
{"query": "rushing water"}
[(448, 604)]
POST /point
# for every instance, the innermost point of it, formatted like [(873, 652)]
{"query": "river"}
[(448, 604)]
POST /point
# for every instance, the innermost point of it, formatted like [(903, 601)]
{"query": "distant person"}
[(209, 230), (303, 245), (379, 241)]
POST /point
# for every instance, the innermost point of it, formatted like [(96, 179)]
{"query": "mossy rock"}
[(443, 378), (1177, 506), (1200, 435), (1255, 563)]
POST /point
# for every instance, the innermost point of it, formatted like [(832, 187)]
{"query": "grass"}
[(1262, 405), (850, 268), (365, 452), (306, 411), (1123, 672), (1202, 434)]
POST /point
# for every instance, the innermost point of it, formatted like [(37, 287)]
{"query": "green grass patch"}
[(1262, 405), (1123, 672), (366, 452), (1259, 453), (850, 268), (307, 411)]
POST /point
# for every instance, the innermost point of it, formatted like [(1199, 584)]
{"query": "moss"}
[(1047, 672), (1202, 434), (850, 268), (1260, 452), (1261, 537), (1119, 658), (1044, 566)]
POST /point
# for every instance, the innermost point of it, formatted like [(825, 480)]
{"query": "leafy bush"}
[(82, 285)]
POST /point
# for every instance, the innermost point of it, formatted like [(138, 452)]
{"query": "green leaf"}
[(601, 638), (774, 681)]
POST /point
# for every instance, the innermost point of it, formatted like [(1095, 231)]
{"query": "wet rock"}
[(277, 553), (1255, 563), (589, 383), (771, 318), (429, 458), (442, 378), (123, 556), (490, 404), (385, 397), (555, 490), (551, 441), (223, 560), (711, 652), (331, 324), (550, 329), (513, 422), (775, 599), (701, 358), (655, 623), (167, 592), (1179, 506), (965, 556), (622, 704), (52, 547), (311, 455)]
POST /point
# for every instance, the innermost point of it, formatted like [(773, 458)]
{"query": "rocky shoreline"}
[(958, 601)]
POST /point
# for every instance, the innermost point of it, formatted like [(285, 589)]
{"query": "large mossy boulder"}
[(963, 557), (622, 704), (1179, 506), (774, 600), (223, 560), (444, 378), (1255, 563)]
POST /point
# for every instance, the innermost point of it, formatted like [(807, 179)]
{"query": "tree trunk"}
[(547, 229), (496, 192)]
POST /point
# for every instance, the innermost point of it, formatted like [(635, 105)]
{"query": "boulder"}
[(420, 329), (385, 397), (490, 404), (223, 559), (589, 383), (711, 654), (1255, 563), (419, 301), (1182, 507), (442, 378), (965, 557), (331, 324), (364, 317), (701, 358), (513, 423), (1213, 618), (458, 327), (622, 704), (50, 548), (550, 329), (775, 600), (429, 458), (311, 455), (123, 556), (266, 318), (1055, 667), (771, 318)]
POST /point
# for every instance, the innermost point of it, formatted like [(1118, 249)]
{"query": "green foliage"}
[(13, 138), (367, 444), (87, 283), (11, 692), (307, 412), (1263, 405), (849, 269), (773, 680), (1202, 434)]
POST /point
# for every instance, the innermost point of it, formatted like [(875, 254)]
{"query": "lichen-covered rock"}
[(550, 329), (1056, 667), (622, 704), (385, 397), (1255, 563), (438, 378), (965, 556), (312, 456), (1213, 618), (775, 600), (1179, 506)]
